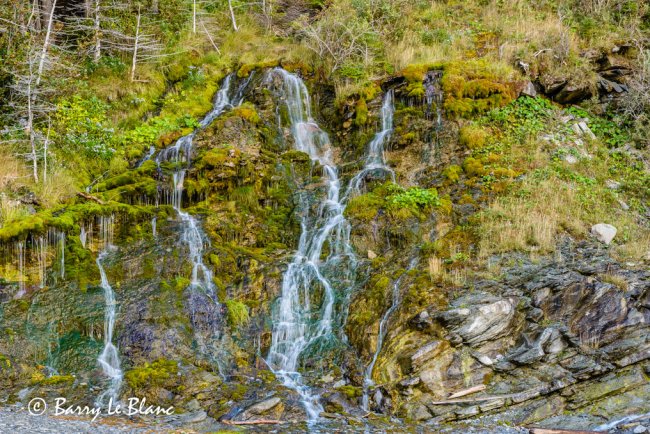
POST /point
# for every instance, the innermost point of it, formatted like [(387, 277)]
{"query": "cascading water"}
[(180, 154), (109, 359), (383, 324), (293, 330), (375, 158)]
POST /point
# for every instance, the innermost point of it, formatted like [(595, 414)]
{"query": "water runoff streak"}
[(109, 359), (296, 323), (375, 157), (383, 324)]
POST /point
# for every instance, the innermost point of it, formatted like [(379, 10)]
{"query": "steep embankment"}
[(474, 267)]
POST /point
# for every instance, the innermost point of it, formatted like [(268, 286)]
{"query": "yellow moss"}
[(473, 167), (452, 173), (247, 111), (473, 136), (245, 70)]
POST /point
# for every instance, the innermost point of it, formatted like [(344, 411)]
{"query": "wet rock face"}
[(541, 340)]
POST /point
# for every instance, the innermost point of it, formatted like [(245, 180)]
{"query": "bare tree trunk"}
[(210, 38), (194, 16), (34, 20), (46, 6), (46, 44), (47, 141), (134, 61), (232, 16), (98, 40), (30, 125)]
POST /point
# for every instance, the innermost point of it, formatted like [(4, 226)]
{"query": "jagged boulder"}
[(486, 317)]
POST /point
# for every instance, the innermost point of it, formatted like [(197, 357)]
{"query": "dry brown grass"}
[(529, 223), (615, 280)]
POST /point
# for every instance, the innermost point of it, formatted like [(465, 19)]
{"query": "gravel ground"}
[(17, 420)]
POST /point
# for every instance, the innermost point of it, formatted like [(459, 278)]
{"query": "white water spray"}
[(109, 359), (181, 154), (293, 332), (375, 161)]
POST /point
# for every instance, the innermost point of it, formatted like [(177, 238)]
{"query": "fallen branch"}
[(559, 431), (466, 392), (466, 401), (252, 422), (90, 197)]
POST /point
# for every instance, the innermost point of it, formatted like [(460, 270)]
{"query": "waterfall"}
[(383, 324), (375, 158), (109, 359), (293, 331), (153, 227), (181, 154), (190, 231)]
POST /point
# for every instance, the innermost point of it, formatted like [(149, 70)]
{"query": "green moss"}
[(56, 380), (154, 374), (364, 207), (245, 70), (361, 111), (247, 111), (65, 218), (237, 313), (352, 392)]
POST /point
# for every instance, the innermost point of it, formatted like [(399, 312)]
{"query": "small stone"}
[(327, 378), (640, 429), (529, 90), (612, 185), (603, 232), (586, 130), (371, 254), (571, 159), (195, 417), (623, 205)]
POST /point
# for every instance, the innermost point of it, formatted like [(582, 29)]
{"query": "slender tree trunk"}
[(30, 125), (232, 16), (47, 142), (134, 61), (98, 40), (46, 44), (194, 16), (210, 38)]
